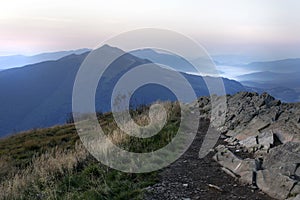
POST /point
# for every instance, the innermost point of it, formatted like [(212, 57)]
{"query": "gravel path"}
[(192, 178)]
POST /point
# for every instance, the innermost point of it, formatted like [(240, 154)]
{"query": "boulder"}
[(266, 140), (285, 135), (240, 168), (263, 141), (284, 159), (249, 143), (277, 186)]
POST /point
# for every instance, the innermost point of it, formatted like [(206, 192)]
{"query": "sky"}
[(261, 28)]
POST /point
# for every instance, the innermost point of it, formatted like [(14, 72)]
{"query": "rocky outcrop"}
[(269, 131)]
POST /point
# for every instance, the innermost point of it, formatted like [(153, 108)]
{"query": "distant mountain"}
[(279, 78), (233, 60), (288, 79), (284, 86), (40, 95), (279, 66), (177, 62), (284, 94), (174, 61), (7, 62)]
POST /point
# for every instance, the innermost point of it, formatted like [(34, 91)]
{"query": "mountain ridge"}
[(40, 95), (12, 61)]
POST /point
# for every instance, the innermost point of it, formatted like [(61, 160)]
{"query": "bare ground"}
[(192, 178)]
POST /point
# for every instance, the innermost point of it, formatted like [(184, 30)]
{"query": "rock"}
[(238, 167), (264, 99), (215, 187), (285, 136), (253, 128), (249, 143), (283, 159), (277, 186), (230, 173), (271, 130), (279, 179), (263, 141), (266, 140), (296, 190), (297, 197), (231, 141), (223, 129)]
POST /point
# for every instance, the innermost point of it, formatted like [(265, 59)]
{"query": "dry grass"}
[(43, 170), (35, 164)]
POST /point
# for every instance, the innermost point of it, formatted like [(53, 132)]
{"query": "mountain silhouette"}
[(40, 95), (7, 62)]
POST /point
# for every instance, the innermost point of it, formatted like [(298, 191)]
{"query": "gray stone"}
[(296, 190), (262, 141), (270, 129), (266, 139), (277, 186), (241, 168), (252, 129), (249, 142), (230, 173), (285, 135), (297, 197), (283, 159)]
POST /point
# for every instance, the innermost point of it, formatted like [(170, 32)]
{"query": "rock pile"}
[(268, 133)]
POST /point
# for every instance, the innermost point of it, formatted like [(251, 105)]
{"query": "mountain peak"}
[(112, 49)]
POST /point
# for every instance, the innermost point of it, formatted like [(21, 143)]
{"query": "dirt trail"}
[(193, 178)]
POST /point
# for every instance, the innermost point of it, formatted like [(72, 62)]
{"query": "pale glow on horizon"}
[(222, 26)]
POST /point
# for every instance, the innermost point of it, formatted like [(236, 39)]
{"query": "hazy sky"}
[(249, 27)]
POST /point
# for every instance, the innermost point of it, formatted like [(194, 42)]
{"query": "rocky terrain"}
[(258, 153), (192, 178), (262, 143)]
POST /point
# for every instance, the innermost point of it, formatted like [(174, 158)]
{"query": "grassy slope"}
[(51, 163)]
